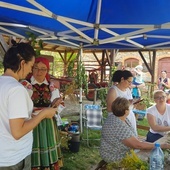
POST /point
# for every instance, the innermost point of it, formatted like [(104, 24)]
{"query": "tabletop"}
[(144, 154)]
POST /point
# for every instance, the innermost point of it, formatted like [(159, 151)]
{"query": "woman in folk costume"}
[(46, 152)]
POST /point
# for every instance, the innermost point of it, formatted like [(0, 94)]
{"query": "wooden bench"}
[(143, 127)]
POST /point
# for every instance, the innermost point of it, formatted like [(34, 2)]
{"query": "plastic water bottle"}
[(157, 158)]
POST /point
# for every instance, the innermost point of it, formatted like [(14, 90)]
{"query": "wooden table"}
[(144, 154)]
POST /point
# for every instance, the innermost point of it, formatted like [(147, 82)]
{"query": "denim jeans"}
[(152, 137), (25, 164)]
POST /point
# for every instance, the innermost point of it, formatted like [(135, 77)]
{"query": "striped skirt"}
[(46, 152)]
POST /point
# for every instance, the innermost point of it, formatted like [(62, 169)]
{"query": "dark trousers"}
[(25, 164), (152, 137)]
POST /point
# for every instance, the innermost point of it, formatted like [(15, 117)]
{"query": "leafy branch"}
[(33, 42)]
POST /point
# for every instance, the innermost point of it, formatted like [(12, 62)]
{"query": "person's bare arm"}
[(134, 143), (19, 127), (154, 126), (142, 85), (111, 96), (167, 85)]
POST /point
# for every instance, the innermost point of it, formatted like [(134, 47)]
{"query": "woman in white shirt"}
[(123, 80), (16, 108), (158, 117)]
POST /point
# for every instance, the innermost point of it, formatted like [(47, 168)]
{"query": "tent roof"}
[(103, 24)]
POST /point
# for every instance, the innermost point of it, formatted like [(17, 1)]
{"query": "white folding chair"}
[(93, 120)]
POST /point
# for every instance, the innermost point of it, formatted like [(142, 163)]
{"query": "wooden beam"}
[(143, 127), (143, 58), (96, 57)]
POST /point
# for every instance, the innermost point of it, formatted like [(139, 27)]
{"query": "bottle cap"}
[(157, 144)]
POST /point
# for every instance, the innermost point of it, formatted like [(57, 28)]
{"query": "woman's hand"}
[(19, 127), (48, 112), (56, 102)]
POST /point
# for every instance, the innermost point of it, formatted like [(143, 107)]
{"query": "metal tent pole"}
[(80, 100)]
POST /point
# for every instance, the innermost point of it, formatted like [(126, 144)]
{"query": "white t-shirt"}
[(128, 95), (162, 120), (15, 103)]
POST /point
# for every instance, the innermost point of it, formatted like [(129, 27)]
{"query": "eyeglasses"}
[(160, 98), (40, 69), (130, 82)]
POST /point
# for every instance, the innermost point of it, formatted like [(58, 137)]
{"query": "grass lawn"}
[(143, 122), (87, 157)]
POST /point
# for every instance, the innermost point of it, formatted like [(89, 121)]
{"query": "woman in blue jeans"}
[(158, 117)]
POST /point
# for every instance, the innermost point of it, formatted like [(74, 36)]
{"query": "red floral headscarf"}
[(44, 61)]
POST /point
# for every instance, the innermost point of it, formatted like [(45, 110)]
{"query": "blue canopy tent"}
[(89, 24), (104, 24)]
